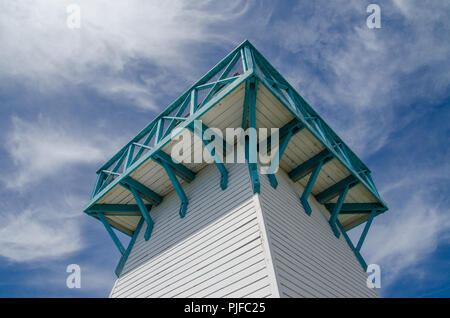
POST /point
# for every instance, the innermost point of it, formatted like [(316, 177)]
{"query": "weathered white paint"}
[(235, 244), (309, 260), (215, 251)]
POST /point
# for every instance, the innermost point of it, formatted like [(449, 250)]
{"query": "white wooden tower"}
[(214, 229)]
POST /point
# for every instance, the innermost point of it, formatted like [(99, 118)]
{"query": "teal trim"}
[(111, 233), (142, 146), (210, 74), (145, 144), (336, 210), (125, 208), (159, 131), (175, 120), (306, 167), (284, 142), (243, 60), (217, 160), (98, 183), (309, 187), (225, 73), (366, 229), (149, 195), (216, 99), (301, 110), (178, 188), (249, 121), (111, 173), (145, 213), (114, 172), (129, 156), (285, 134), (183, 172), (356, 208), (273, 180), (193, 102), (217, 83), (248, 57), (336, 189), (352, 247), (125, 255)]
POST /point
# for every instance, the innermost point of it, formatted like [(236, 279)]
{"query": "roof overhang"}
[(217, 99)]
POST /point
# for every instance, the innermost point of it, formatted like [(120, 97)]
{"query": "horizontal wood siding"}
[(216, 250), (309, 260)]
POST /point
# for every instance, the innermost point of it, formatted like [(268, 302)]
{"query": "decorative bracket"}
[(178, 188), (212, 150), (249, 121), (336, 210), (286, 133)]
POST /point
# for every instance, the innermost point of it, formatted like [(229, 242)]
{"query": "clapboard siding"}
[(309, 261), (216, 250)]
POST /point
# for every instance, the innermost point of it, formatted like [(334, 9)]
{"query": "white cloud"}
[(417, 222), (39, 49), (45, 148), (41, 232), (402, 239), (363, 86)]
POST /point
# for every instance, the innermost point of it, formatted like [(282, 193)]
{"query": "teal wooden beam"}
[(282, 147), (336, 189), (111, 173), (218, 82), (120, 208), (175, 119), (285, 134), (248, 56), (249, 121), (193, 104), (306, 167), (111, 233), (145, 213), (147, 139), (352, 247), (276, 84), (130, 153), (225, 73), (149, 195), (336, 210), (366, 229), (159, 131), (125, 255), (309, 187), (183, 172), (98, 184), (212, 150), (356, 208), (178, 188)]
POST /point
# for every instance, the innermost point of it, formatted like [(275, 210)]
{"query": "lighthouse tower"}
[(219, 228)]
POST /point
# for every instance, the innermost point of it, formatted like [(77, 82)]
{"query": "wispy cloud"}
[(360, 78), (109, 49), (416, 225), (41, 232), (45, 147), (402, 240)]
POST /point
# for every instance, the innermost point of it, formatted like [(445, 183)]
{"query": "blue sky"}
[(70, 98)]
